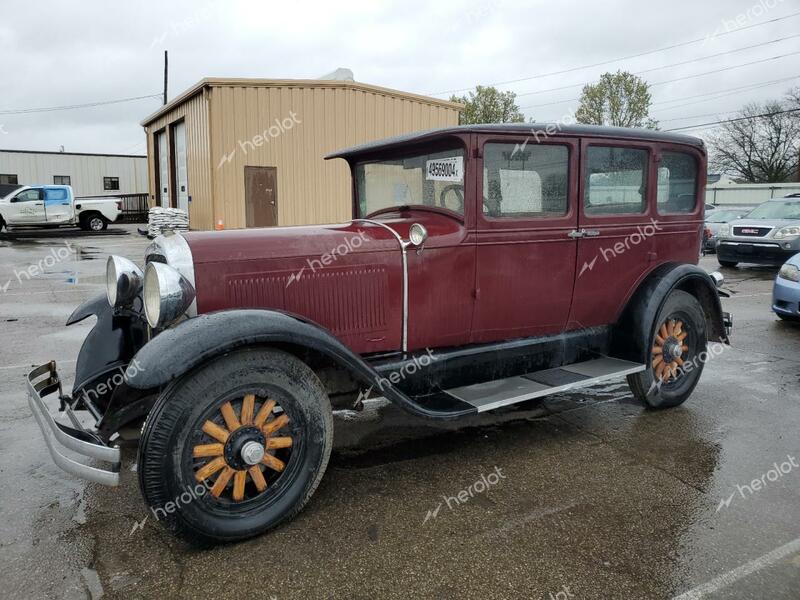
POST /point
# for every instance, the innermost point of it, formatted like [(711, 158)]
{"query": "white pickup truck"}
[(56, 206)]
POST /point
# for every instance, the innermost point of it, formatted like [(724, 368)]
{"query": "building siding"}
[(329, 116), (194, 111), (86, 171)]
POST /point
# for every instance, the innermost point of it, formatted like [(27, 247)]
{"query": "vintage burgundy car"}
[(484, 266)]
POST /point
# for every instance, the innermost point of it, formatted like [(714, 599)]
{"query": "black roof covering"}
[(541, 129)]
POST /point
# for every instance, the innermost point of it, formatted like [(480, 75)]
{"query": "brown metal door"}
[(261, 196)]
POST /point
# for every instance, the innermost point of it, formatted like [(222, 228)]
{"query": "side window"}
[(525, 183), (616, 181), (28, 196), (677, 183), (55, 195)]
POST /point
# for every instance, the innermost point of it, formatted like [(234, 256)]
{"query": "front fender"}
[(632, 332), (108, 348), (176, 351)]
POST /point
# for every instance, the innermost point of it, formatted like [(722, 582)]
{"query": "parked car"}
[(786, 291), (56, 206), (713, 222), (768, 235), (483, 266)]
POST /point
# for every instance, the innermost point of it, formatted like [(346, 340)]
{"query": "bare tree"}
[(758, 149)]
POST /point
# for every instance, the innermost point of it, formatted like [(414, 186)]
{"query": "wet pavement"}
[(583, 495)]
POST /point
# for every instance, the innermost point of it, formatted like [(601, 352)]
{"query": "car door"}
[(58, 204), (526, 252), (616, 247), (27, 208)]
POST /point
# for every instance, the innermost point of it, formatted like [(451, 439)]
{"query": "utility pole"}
[(165, 76)]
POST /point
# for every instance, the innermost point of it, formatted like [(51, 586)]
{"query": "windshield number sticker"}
[(445, 169)]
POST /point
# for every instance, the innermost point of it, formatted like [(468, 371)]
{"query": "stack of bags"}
[(166, 219)]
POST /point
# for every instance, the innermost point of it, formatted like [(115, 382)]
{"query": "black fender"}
[(632, 333), (107, 350), (195, 341)]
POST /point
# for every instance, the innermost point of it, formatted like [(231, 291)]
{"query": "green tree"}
[(620, 99), (489, 105)]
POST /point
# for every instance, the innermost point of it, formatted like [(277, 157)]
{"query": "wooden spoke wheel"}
[(244, 448), (669, 350)]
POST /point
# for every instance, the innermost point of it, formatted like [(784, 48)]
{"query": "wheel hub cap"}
[(252, 453), (668, 350)]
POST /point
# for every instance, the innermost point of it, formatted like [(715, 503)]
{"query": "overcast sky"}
[(66, 53)]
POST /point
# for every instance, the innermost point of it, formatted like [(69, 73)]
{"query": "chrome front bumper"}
[(42, 382)]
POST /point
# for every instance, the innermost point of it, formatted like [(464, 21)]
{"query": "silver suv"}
[(768, 235)]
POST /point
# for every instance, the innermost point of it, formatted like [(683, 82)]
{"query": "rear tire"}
[(93, 222), (658, 389), (727, 263), (789, 318), (170, 473)]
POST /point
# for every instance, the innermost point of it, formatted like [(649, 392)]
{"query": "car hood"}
[(290, 242), (764, 222)]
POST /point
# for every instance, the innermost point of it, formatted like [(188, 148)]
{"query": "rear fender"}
[(631, 338)]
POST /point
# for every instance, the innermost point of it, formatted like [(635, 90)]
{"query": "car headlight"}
[(724, 230), (167, 295), (790, 232), (123, 281), (789, 272)]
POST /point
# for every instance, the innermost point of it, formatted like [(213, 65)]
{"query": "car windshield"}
[(434, 179), (722, 216), (777, 209)]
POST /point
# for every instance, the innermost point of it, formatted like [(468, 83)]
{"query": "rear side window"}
[(677, 183), (616, 181), (55, 195), (525, 182)]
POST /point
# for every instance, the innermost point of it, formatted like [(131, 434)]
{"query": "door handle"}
[(581, 233)]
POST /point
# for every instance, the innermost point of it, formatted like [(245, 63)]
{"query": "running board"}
[(502, 392)]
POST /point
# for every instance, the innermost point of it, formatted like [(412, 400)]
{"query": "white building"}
[(88, 174)]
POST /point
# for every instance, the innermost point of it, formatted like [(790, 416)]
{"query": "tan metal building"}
[(249, 152)]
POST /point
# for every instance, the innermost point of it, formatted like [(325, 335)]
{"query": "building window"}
[(9, 179), (61, 180), (111, 184)]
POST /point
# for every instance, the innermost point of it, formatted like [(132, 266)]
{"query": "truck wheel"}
[(727, 263), (677, 353), (94, 223), (235, 447)]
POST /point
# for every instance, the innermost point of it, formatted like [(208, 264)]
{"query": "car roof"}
[(534, 129)]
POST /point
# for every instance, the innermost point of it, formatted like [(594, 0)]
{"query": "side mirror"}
[(14, 199)]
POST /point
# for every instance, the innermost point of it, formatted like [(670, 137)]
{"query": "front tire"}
[(200, 470), (677, 353)]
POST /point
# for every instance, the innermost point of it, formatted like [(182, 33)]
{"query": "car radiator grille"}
[(751, 231)]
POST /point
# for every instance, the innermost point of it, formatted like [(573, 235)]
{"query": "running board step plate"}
[(502, 392)]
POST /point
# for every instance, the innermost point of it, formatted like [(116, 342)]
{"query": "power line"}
[(723, 122), (744, 87), (640, 54), (763, 60), (22, 111)]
